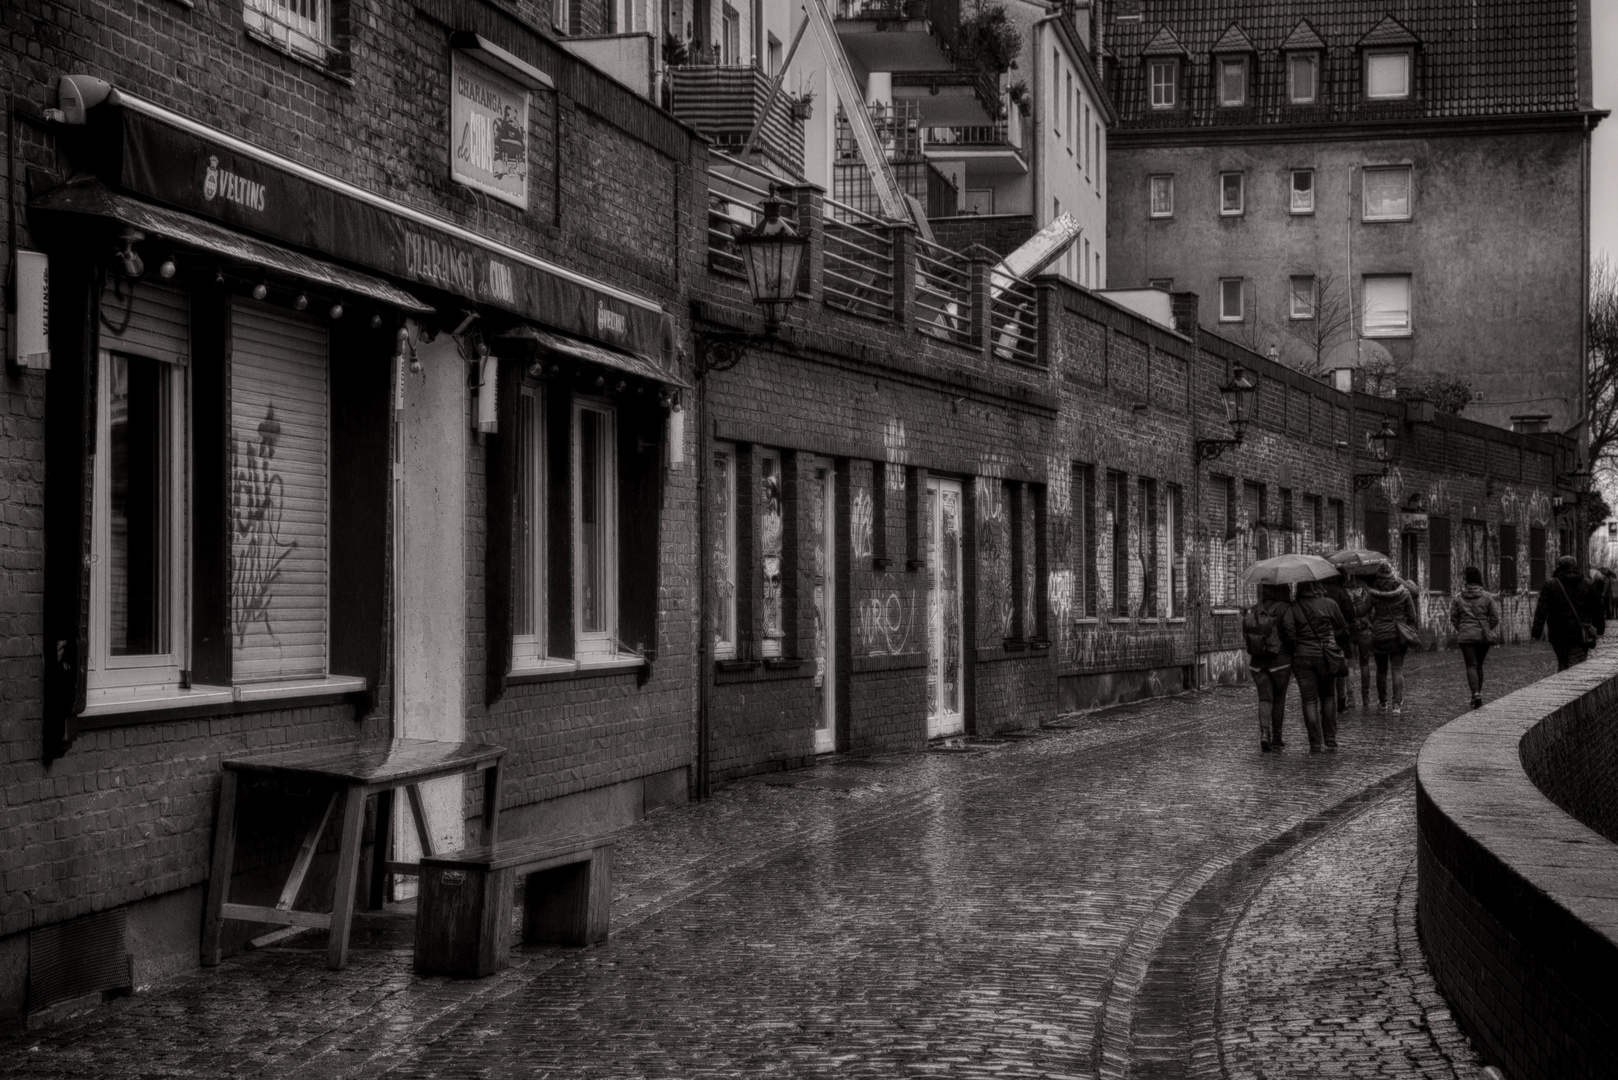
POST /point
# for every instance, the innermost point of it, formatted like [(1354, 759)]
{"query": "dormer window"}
[(1165, 82), (1232, 80), (1303, 78), (1387, 75)]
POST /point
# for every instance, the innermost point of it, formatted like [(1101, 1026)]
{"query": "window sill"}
[(1389, 333), (269, 41), (1087, 620), (1175, 620), (557, 670), (1226, 611), (114, 707)]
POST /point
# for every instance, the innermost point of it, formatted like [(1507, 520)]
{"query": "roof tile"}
[(1233, 41)]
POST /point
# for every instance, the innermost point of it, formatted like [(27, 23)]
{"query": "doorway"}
[(822, 513), (946, 644)]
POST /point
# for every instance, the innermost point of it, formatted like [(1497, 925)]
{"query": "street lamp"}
[(1381, 443), (773, 252), (1240, 395)]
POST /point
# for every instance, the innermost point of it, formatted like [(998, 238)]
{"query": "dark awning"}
[(631, 363), (91, 198)]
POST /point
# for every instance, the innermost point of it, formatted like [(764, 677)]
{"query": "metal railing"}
[(943, 293), (858, 273), (736, 195), (995, 134), (1013, 309)]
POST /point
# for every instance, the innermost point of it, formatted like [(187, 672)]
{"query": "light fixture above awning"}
[(533, 338), (90, 198)]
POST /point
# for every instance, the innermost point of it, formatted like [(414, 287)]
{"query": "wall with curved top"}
[(1517, 898)]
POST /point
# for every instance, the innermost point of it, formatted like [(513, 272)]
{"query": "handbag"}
[(1408, 636), (1588, 630), (1336, 662)]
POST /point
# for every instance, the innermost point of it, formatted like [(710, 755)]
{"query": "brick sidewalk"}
[(1002, 910)]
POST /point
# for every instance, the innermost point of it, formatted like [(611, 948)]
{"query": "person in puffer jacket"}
[(1474, 614), (1391, 604), (1311, 628)]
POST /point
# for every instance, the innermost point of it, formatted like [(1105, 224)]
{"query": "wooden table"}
[(353, 770)]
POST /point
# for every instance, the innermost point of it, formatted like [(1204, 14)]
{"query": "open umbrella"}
[(1286, 569), (1357, 560)]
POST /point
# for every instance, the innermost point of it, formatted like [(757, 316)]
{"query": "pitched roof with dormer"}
[(1472, 58)]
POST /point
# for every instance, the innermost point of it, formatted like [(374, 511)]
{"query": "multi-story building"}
[(1403, 190)]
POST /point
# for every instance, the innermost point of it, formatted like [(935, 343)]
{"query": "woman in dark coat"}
[(1269, 661), (1334, 589), (1391, 605), (1358, 614), (1311, 628), (1566, 604)]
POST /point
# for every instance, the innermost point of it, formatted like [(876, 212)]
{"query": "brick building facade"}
[(940, 501)]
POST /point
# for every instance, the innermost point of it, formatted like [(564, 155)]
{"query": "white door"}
[(946, 644), (822, 511)]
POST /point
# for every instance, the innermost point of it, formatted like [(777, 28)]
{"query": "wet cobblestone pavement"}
[(1135, 893)]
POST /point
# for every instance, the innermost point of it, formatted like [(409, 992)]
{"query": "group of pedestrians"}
[(1312, 635)]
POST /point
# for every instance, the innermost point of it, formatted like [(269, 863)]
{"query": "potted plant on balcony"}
[(803, 106), (987, 39)]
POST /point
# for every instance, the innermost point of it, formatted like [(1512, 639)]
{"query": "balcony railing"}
[(725, 102), (736, 194), (1013, 318), (943, 293), (997, 134), (859, 262)]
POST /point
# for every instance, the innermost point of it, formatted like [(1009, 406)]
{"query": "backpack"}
[(1262, 631)]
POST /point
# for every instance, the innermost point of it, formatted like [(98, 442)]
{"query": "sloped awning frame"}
[(87, 198), (533, 339)]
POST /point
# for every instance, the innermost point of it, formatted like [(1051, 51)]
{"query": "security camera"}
[(77, 94)]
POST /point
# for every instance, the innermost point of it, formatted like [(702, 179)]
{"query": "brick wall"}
[(1513, 894), (1000, 233)]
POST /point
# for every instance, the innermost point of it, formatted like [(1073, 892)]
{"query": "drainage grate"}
[(81, 956)]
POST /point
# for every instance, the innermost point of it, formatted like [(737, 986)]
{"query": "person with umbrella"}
[(1355, 564), (1311, 629), (1270, 658)]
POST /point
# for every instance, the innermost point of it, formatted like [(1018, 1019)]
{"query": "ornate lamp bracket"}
[(1208, 449)]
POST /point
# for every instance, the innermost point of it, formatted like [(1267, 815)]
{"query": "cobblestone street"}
[(1137, 892)]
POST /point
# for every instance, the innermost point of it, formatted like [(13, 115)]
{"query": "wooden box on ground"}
[(463, 920)]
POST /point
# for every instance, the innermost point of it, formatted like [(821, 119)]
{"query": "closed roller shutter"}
[(146, 320), (278, 496)]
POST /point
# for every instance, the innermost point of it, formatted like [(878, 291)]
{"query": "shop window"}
[(530, 564), (1146, 508), (302, 26), (1303, 191), (722, 482), (771, 524), (1118, 515), (1011, 498), (1302, 78), (1536, 557), (1376, 531), (1084, 535), (1174, 530), (1387, 75), (1164, 76), (1232, 81), (1409, 555), (1475, 547), (1162, 191), (1230, 300), (1232, 193), (1387, 193), (595, 531), (1039, 580), (1508, 558), (1386, 302), (1303, 296)]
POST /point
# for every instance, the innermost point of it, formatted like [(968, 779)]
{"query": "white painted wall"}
[(430, 584)]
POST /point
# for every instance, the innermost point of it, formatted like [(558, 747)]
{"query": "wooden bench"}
[(464, 909)]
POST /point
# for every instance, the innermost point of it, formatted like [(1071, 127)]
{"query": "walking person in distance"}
[(1333, 588), (1269, 661), (1310, 629), (1358, 613), (1474, 614), (1393, 631), (1569, 614)]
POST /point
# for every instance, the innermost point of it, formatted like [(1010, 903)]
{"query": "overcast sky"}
[(1604, 157)]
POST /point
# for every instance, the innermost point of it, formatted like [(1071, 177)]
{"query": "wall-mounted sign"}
[(1413, 521), (31, 322), (488, 123)]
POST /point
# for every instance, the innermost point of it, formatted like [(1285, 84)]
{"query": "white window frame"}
[(105, 671), (1384, 329), (303, 26), (1365, 192), (1306, 204), (726, 634), (1241, 194), (1152, 188), (1313, 61), (530, 650), (596, 644), (1072, 115), (1308, 312), (730, 36), (1409, 73), (1225, 101), (1170, 85), (1241, 300)]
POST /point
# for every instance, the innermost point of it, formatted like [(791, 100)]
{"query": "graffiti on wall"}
[(257, 505), (770, 550), (994, 549), (860, 521), (887, 621)]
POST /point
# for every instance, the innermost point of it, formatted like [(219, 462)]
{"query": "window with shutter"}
[(278, 506), (595, 531), (529, 564), (1387, 305), (1508, 558)]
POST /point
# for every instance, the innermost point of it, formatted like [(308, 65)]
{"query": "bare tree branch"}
[(1329, 326)]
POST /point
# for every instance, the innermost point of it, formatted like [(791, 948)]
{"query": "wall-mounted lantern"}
[(1240, 396), (773, 252), (1381, 442)]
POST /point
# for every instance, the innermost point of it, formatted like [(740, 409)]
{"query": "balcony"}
[(899, 35), (725, 102), (986, 149), (967, 97)]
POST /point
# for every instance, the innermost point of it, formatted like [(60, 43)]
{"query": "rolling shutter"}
[(146, 320), (278, 495)]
